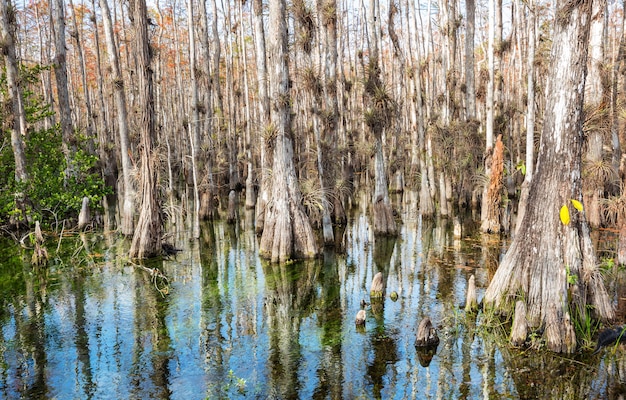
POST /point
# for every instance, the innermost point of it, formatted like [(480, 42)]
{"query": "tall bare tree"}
[(287, 232), (551, 263), (208, 189), (60, 74), (263, 102), (147, 238), (378, 115), (530, 114), (119, 96), (194, 121), (596, 101), (18, 128)]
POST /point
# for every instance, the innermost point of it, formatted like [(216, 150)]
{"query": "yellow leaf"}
[(564, 214), (577, 205)]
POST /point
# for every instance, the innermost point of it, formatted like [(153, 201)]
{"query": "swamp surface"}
[(226, 324)]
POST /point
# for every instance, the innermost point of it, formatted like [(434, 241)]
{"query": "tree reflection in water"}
[(288, 298), (232, 326)]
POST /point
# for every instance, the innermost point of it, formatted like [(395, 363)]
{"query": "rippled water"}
[(231, 326)]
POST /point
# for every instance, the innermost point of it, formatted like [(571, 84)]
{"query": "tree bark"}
[(147, 238), (193, 125), (470, 90), (264, 112), (595, 94), (18, 128), (551, 263), (208, 191), (378, 115), (89, 120), (530, 115), (287, 232), (60, 74), (128, 208)]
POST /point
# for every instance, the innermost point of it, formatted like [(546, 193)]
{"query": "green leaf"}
[(564, 215)]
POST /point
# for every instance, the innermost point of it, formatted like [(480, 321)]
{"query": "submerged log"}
[(519, 331), (360, 318), (426, 334), (471, 304), (377, 288)]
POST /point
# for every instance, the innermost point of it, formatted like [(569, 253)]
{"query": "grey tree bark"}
[(263, 125), (530, 114), (18, 128), (551, 263), (119, 96), (194, 121), (60, 74), (377, 116), (147, 238), (287, 232), (595, 97)]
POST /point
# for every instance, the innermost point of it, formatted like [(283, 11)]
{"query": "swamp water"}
[(229, 325)]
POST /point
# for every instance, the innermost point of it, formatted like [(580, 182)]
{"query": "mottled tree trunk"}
[(530, 116), (89, 118), (147, 238), (490, 108), (251, 176), (18, 128), (470, 90), (194, 128), (63, 94), (128, 207), (208, 190), (263, 125), (287, 232), (495, 190), (551, 263), (378, 116), (596, 102)]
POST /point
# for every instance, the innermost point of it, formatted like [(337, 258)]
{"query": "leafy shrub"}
[(53, 191)]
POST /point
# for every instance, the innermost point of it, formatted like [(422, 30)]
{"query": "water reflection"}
[(93, 325)]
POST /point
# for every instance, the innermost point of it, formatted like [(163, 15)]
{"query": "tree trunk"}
[(470, 91), (208, 190), (263, 125), (530, 116), (551, 263), (490, 110), (193, 125), (147, 239), (378, 116), (287, 232), (250, 178), (83, 74), (18, 128), (595, 99), (128, 208), (492, 222), (60, 74)]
